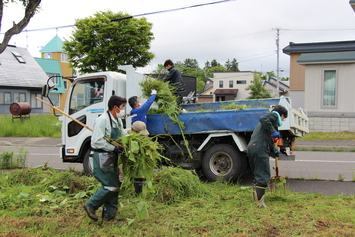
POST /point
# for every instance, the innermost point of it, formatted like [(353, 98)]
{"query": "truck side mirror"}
[(45, 91)]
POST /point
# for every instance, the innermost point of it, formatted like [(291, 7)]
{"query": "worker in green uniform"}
[(105, 160), (261, 147)]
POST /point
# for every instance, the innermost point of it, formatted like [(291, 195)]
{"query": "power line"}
[(171, 10), (143, 14)]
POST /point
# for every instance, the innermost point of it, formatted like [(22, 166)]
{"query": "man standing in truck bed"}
[(261, 147), (175, 79)]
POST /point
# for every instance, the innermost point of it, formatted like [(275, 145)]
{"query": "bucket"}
[(138, 185)]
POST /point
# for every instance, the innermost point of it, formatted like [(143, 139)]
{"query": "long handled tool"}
[(77, 121), (274, 180)]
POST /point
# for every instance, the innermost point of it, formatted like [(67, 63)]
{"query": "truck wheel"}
[(88, 163), (223, 161)]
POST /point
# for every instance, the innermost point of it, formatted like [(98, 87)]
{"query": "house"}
[(322, 82), (206, 95), (231, 85), (271, 85), (21, 80), (54, 61)]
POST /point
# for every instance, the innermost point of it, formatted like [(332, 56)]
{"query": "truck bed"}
[(243, 120), (235, 120)]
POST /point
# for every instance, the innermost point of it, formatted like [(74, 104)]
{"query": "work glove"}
[(276, 152), (117, 150), (275, 134), (154, 92)]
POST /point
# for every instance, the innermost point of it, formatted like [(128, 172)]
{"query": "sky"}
[(241, 29)]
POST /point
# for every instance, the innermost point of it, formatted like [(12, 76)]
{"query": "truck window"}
[(85, 93)]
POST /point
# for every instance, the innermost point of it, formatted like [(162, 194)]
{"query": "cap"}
[(139, 126)]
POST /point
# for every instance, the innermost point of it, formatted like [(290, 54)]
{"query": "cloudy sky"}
[(241, 29)]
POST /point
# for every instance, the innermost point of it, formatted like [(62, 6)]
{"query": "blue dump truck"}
[(217, 139)]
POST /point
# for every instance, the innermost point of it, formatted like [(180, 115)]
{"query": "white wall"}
[(345, 88), (234, 76), (342, 116)]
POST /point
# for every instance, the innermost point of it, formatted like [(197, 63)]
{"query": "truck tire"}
[(88, 163), (223, 160)]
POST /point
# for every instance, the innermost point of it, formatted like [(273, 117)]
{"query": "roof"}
[(208, 85), (226, 91), (55, 45), (20, 74), (49, 65), (338, 57), (334, 46), (281, 84)]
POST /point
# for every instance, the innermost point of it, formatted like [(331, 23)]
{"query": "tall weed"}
[(35, 126)]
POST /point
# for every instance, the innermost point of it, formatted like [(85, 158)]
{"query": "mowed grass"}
[(35, 126), (43, 202)]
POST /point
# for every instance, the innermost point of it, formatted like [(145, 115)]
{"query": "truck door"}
[(85, 103)]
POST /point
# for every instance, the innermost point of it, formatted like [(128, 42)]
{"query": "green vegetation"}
[(44, 202), (329, 136), (141, 157), (35, 126), (9, 161), (99, 44)]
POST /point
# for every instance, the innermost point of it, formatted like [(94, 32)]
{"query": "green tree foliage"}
[(160, 69), (232, 66), (257, 91), (31, 7), (98, 44), (191, 63), (214, 63)]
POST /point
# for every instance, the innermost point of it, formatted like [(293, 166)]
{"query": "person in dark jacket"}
[(175, 79), (261, 147)]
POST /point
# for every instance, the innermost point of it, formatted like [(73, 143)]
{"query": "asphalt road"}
[(325, 168)]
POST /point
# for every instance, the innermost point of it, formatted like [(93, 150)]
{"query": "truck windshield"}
[(85, 93)]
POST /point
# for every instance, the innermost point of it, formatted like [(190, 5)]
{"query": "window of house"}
[(55, 99), (55, 78), (64, 57), (241, 82), (19, 97), (230, 84), (65, 84), (7, 98), (329, 88), (220, 84), (47, 55), (18, 57), (34, 102)]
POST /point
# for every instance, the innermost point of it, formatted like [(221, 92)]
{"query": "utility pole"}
[(278, 62)]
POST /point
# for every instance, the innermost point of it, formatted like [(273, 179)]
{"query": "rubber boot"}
[(260, 192)]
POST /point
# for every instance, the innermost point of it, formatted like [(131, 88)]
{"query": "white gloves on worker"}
[(154, 92)]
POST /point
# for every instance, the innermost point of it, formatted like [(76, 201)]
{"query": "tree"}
[(214, 63), (191, 63), (31, 7), (257, 91), (232, 66), (99, 44)]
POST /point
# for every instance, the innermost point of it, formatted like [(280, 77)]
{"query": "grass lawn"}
[(44, 202)]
